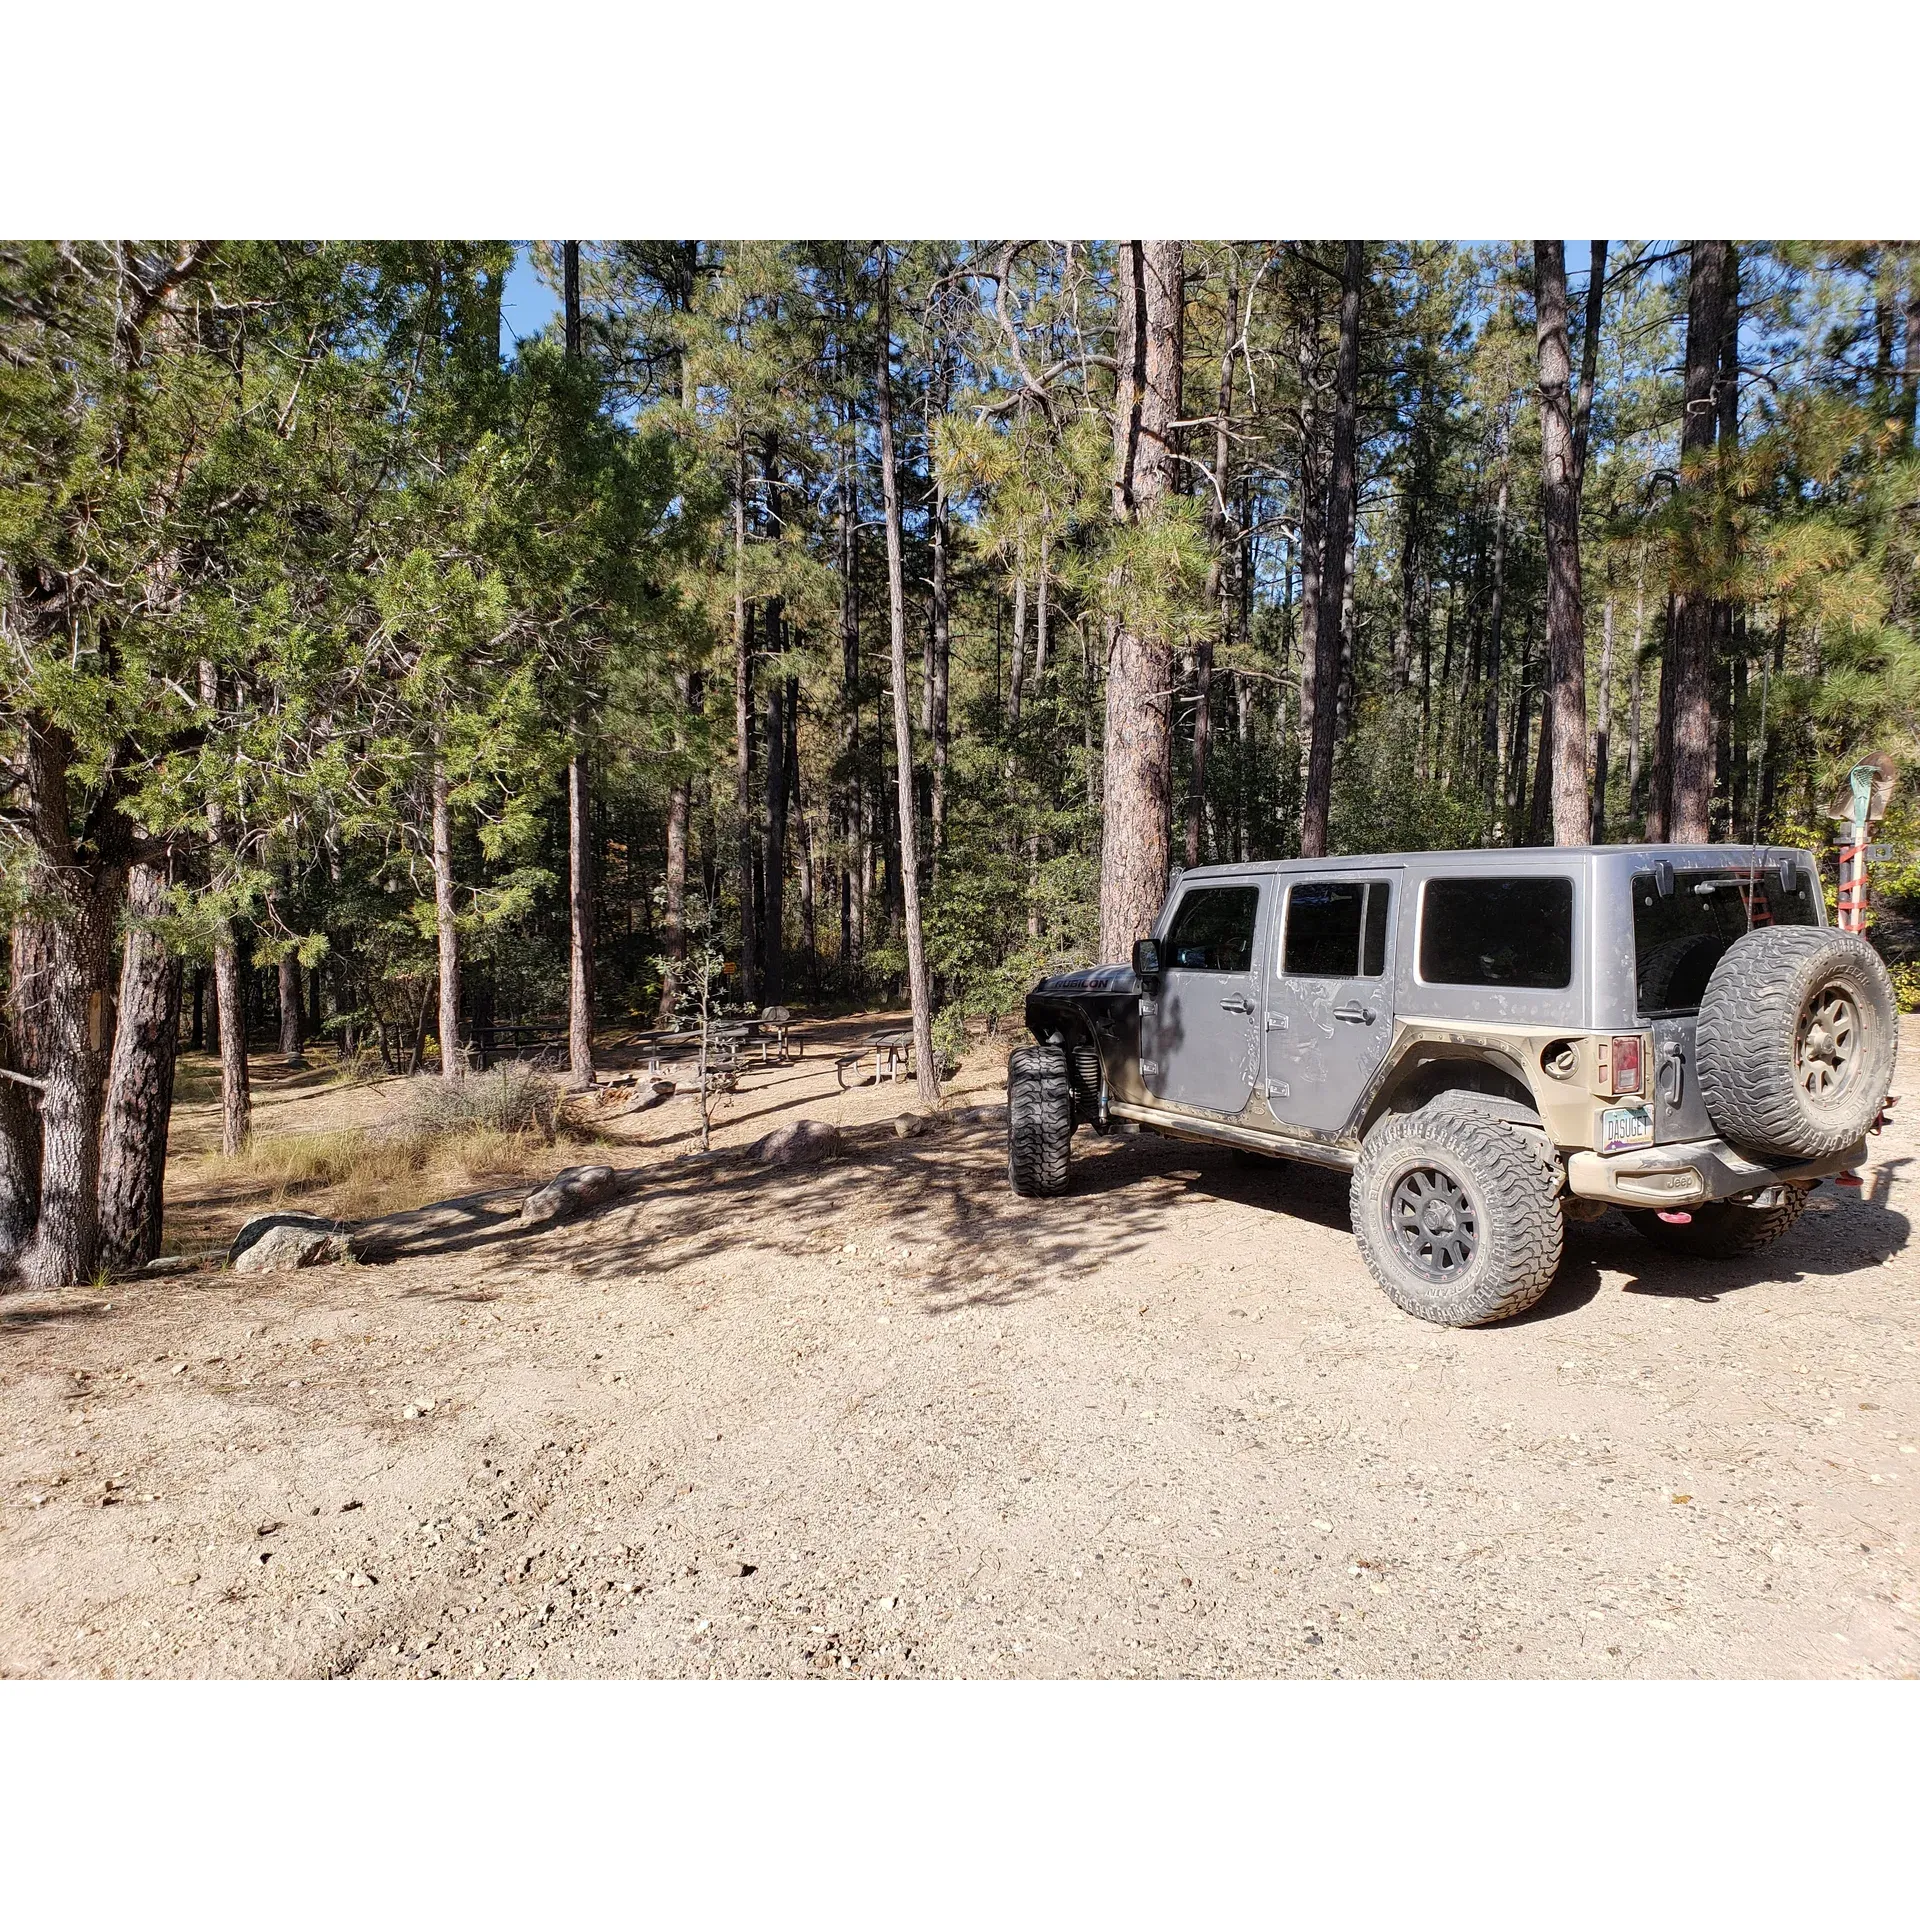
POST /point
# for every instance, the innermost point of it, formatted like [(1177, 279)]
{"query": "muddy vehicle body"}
[(1489, 1041)]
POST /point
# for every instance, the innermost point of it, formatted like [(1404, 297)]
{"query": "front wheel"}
[(1722, 1229), (1039, 1121), (1458, 1219)]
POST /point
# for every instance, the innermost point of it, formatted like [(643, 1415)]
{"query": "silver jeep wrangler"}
[(1490, 1042)]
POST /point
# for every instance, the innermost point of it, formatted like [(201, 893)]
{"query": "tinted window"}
[(1678, 938), (1326, 920), (1212, 930), (1498, 933)]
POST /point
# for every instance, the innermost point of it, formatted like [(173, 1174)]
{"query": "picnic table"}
[(487, 1038), (891, 1053), (728, 1041)]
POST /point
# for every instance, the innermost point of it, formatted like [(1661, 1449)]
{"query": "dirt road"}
[(880, 1418)]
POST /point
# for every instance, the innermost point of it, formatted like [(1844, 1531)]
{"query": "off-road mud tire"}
[(1039, 1121), (1748, 1045), (1721, 1229), (1513, 1203)]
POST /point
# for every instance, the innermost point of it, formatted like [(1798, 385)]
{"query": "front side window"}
[(1680, 936), (1337, 929), (1515, 933), (1212, 930)]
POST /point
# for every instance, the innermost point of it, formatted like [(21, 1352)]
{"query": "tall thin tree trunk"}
[(743, 727), (1333, 577), (1692, 704), (1560, 499), (445, 926), (23, 1049), (1636, 804), (291, 1012), (580, 916), (580, 895), (139, 1103), (1603, 724), (919, 987), (1496, 621), (1219, 581), (1589, 356), (1136, 790), (673, 927), (773, 891), (940, 643)]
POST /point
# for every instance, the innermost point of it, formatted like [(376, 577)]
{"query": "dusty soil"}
[(881, 1418)]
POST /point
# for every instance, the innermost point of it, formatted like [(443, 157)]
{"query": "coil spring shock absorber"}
[(1083, 1069)]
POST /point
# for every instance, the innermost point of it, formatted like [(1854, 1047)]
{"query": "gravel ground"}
[(879, 1418)]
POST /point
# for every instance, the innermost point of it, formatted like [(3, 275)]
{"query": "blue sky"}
[(527, 304)]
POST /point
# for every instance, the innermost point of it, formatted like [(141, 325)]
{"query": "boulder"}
[(910, 1126), (570, 1191), (277, 1243), (796, 1145)]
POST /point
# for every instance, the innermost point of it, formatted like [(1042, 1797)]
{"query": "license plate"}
[(1624, 1127)]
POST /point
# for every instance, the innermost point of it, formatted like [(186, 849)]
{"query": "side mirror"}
[(1146, 962)]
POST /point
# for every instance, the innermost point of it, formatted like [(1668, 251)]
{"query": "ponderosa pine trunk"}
[(139, 1103), (1136, 790), (580, 898), (1330, 627), (743, 728), (673, 919), (579, 924), (940, 634), (292, 1013), (1565, 733), (230, 1013), (1589, 357), (1219, 579), (1603, 724), (1690, 762), (23, 1050), (76, 904), (446, 925), (773, 890), (919, 986)]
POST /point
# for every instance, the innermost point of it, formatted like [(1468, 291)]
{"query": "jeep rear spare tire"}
[(1039, 1121), (1457, 1217), (1796, 1040)]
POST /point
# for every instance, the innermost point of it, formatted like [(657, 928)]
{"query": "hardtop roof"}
[(1467, 860)]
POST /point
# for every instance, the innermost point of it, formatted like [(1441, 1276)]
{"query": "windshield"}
[(1678, 937)]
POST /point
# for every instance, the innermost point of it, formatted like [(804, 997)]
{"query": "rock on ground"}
[(280, 1243), (798, 1144), (572, 1190)]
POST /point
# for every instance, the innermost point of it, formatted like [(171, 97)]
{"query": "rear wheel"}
[(1458, 1219), (1039, 1121), (1722, 1229)]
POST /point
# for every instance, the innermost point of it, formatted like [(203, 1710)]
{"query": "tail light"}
[(1624, 1058)]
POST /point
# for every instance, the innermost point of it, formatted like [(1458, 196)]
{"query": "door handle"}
[(1353, 1013), (1236, 1003)]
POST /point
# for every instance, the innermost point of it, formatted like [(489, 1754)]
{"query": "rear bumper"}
[(1690, 1170)]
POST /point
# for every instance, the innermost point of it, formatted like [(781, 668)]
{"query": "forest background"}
[(865, 615)]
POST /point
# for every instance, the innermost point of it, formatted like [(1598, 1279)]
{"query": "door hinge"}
[(1276, 1023), (1277, 1090)]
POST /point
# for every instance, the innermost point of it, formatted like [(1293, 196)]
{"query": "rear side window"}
[(1337, 929), (1515, 933), (1679, 937), (1212, 930)]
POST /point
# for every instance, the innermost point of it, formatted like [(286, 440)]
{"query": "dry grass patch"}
[(444, 1133)]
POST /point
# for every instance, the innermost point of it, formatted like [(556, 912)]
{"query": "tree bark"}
[(139, 1103), (77, 901), (230, 1012), (1138, 755), (919, 987), (1589, 357), (445, 924), (1220, 582), (1334, 562), (940, 636), (743, 727), (23, 1048), (674, 915), (580, 905), (774, 886), (292, 1013), (1560, 500), (1691, 761), (1603, 724)]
